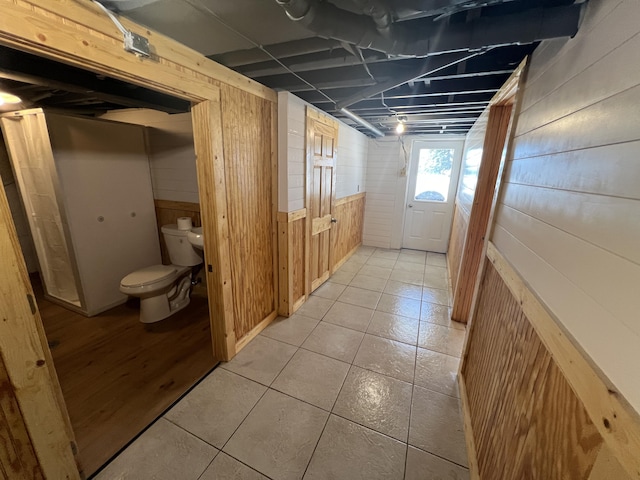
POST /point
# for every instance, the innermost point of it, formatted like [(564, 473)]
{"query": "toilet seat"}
[(148, 275)]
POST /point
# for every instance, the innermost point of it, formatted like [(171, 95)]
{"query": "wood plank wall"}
[(247, 148), (526, 420), (346, 234), (17, 459), (456, 243), (291, 243), (168, 212)]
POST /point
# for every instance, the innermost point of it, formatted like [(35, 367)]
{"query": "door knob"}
[(410, 206), (334, 220)]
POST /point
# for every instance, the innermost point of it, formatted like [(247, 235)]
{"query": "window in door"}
[(434, 174)]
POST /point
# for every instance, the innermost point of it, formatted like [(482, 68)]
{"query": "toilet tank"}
[(181, 252)]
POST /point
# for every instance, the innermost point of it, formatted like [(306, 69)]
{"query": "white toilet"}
[(165, 289)]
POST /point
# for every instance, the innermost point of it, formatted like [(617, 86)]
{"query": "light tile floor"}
[(360, 383)]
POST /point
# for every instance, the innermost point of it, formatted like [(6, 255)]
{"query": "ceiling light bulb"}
[(8, 98), (400, 128)]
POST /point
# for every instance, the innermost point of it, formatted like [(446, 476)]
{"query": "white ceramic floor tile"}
[(225, 467), (438, 314), (293, 330), (348, 451), (315, 307), (394, 327), (441, 339), (433, 295), (312, 377), (164, 452), (360, 296), (409, 267), (407, 277), (373, 271), (424, 466), (350, 316), (437, 371), (436, 259), (381, 262), (278, 437), (370, 283), (334, 341), (387, 357), (406, 307), (365, 250), (401, 289), (217, 406), (353, 265), (436, 425), (384, 253), (343, 278), (329, 290), (261, 360), (376, 401)]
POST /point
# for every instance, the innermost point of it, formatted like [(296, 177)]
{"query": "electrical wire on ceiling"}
[(199, 6)]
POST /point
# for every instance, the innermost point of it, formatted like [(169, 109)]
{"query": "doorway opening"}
[(117, 375), (431, 187)]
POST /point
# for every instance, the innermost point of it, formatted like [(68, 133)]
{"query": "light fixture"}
[(401, 121), (9, 98)]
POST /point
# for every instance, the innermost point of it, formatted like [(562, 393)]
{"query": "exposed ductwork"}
[(427, 37)]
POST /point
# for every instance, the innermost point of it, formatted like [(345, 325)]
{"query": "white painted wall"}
[(171, 152), (569, 213), (352, 155), (386, 181)]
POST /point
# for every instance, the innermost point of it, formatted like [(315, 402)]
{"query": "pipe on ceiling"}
[(425, 37), (376, 132)]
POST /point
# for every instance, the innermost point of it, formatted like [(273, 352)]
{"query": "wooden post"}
[(207, 135)]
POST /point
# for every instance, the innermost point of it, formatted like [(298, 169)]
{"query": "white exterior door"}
[(431, 191)]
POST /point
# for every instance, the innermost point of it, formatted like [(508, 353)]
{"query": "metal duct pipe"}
[(380, 13), (362, 122), (329, 21)]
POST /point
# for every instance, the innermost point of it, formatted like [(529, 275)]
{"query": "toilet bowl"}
[(164, 289)]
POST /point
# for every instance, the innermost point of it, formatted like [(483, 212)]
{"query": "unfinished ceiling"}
[(434, 64)]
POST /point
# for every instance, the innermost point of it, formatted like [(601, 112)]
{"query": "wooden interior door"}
[(322, 141)]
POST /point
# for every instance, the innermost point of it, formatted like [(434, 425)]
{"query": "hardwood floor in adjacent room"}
[(118, 375)]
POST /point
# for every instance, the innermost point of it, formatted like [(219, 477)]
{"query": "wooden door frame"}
[(79, 34), (313, 114), (498, 139)]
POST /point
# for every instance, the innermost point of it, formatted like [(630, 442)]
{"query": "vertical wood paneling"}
[(247, 136), (456, 244), (298, 233), (527, 422), (168, 212), (347, 232)]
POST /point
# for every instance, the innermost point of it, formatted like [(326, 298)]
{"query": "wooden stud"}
[(274, 206), (85, 37), (614, 418), (468, 430), (210, 164), (33, 382), (492, 160)]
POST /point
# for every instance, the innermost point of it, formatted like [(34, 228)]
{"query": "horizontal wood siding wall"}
[(526, 420), (346, 234), (248, 170), (456, 244), (569, 213), (168, 212)]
